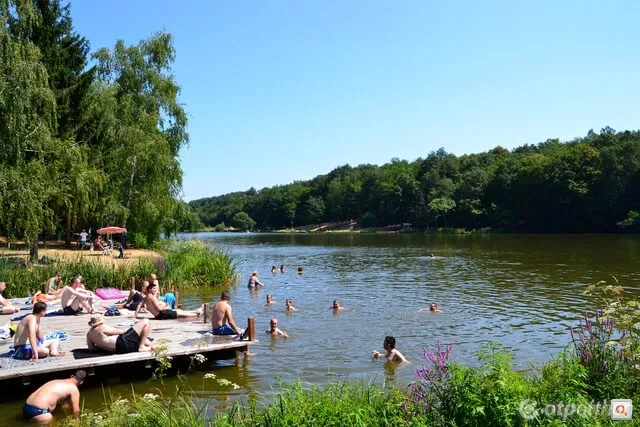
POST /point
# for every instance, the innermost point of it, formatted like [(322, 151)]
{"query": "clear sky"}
[(285, 90)]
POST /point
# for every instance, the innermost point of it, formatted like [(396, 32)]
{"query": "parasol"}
[(112, 230)]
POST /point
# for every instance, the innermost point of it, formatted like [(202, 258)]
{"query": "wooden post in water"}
[(206, 311), (177, 294), (251, 329), (133, 283)]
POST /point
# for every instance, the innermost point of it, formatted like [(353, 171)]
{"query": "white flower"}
[(150, 396), (120, 402), (223, 381), (235, 386), (209, 376), (200, 358)]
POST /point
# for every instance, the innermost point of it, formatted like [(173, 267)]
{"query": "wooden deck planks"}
[(179, 338)]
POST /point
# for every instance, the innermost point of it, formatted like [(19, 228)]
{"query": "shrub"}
[(194, 264)]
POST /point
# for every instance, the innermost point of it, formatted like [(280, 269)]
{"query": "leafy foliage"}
[(587, 184)]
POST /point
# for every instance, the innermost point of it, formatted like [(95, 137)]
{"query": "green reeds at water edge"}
[(185, 265)]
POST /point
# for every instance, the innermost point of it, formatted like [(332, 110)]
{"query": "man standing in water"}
[(222, 322), (44, 400), (392, 353)]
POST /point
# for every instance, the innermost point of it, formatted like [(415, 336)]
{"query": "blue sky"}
[(278, 91)]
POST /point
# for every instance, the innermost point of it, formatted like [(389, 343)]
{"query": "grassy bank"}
[(575, 388), (181, 264)]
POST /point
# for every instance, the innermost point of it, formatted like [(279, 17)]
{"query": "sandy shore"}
[(57, 250)]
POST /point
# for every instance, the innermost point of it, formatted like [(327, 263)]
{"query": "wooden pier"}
[(178, 339)]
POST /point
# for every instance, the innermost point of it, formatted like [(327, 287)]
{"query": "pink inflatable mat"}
[(111, 293)]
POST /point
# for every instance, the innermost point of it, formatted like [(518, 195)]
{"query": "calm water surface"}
[(522, 291)]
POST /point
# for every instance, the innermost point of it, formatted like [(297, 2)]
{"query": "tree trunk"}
[(67, 230), (33, 253)]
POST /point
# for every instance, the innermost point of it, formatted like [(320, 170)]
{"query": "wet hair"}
[(80, 376), (151, 286), (391, 341), (226, 295), (39, 307)]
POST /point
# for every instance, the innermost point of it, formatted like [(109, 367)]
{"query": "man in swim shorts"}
[(116, 340), (42, 402), (222, 322), (161, 310), (75, 298), (5, 307), (29, 342)]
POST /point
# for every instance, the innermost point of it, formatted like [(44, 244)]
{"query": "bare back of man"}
[(29, 340), (48, 396), (107, 338), (222, 322)]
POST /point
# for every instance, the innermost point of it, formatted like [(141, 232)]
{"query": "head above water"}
[(226, 296), (336, 303), (274, 322), (389, 342), (433, 306)]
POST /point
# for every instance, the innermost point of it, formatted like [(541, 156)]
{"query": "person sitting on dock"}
[(161, 310), (169, 297), (117, 340), (273, 329), (392, 353), (5, 307), (270, 300), (75, 298), (53, 291), (288, 305), (135, 298), (29, 342), (253, 280), (222, 322), (42, 402)]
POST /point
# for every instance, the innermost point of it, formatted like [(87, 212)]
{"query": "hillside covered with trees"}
[(589, 184), (87, 139)]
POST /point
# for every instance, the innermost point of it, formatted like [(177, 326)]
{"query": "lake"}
[(523, 291)]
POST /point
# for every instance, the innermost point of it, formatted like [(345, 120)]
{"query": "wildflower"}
[(209, 376), (120, 402), (235, 386), (223, 381), (150, 396), (200, 358)]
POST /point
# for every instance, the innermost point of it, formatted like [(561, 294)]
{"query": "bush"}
[(194, 264)]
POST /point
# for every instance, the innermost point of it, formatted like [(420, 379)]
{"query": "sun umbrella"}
[(112, 230)]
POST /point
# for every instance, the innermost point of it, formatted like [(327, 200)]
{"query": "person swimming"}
[(288, 305), (270, 300), (336, 305), (253, 280)]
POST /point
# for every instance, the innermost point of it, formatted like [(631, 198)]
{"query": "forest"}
[(589, 184), (88, 139)]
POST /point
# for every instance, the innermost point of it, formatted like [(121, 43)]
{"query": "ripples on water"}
[(522, 291)]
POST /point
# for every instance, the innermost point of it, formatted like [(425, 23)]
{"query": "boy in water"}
[(392, 353)]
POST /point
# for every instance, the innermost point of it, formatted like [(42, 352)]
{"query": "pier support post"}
[(177, 294), (206, 311), (133, 283), (251, 327)]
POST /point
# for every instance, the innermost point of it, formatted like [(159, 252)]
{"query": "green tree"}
[(243, 221)]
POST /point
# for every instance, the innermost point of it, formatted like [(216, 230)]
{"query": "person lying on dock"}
[(76, 298), (392, 353), (44, 400), (117, 340), (253, 280), (29, 341), (161, 310), (5, 307), (273, 329), (222, 322), (270, 300), (288, 305)]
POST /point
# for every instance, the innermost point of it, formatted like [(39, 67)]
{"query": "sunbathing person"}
[(273, 329), (5, 307), (53, 291), (135, 298), (169, 297), (222, 322), (116, 340), (162, 310), (76, 298), (29, 342)]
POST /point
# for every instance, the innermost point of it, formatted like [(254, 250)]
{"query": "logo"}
[(621, 409)]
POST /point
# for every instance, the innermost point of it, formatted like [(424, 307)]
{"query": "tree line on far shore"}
[(87, 140), (589, 184)]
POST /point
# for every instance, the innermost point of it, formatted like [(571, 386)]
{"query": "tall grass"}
[(22, 280), (194, 264)]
